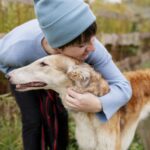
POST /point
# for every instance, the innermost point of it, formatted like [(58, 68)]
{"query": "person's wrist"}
[(99, 106)]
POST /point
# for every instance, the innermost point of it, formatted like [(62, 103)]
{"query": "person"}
[(67, 27)]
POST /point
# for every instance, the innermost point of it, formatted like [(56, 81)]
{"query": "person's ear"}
[(80, 75)]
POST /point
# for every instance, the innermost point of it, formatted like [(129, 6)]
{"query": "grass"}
[(136, 144), (10, 137), (10, 124)]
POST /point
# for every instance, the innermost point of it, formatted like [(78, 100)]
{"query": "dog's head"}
[(58, 72), (51, 72)]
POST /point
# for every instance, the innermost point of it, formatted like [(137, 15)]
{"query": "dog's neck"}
[(62, 90)]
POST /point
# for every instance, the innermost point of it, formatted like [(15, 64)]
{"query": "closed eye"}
[(42, 64), (82, 46)]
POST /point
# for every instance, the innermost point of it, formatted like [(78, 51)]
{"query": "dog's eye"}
[(42, 64)]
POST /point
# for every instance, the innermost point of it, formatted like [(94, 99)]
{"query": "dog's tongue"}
[(22, 86)]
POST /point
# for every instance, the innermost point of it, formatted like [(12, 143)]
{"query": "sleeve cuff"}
[(110, 107), (102, 116)]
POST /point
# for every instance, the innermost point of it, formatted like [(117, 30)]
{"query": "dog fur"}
[(58, 72)]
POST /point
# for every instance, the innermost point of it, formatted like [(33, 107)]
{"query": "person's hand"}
[(86, 102)]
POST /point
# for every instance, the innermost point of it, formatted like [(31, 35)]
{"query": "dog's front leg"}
[(84, 132)]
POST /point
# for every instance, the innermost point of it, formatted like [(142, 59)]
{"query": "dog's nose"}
[(8, 76)]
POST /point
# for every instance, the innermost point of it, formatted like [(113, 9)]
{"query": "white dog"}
[(58, 72)]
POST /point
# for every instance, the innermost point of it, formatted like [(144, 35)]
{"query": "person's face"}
[(79, 52)]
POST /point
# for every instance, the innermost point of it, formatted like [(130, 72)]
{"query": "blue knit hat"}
[(63, 20)]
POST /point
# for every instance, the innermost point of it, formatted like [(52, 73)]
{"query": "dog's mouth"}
[(30, 85)]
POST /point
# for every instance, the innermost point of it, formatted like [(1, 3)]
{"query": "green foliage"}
[(136, 144), (10, 124), (109, 24), (2, 79), (14, 14), (129, 50), (17, 13), (144, 26), (120, 18), (10, 137), (145, 65), (100, 5), (72, 140), (113, 26), (145, 3)]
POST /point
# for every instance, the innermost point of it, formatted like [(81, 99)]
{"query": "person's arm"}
[(16, 52), (120, 89), (14, 55)]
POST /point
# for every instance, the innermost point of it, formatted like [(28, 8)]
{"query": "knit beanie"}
[(63, 20)]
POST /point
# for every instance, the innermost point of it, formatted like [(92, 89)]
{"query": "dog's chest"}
[(85, 133)]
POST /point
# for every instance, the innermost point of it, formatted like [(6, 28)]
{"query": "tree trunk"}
[(144, 132)]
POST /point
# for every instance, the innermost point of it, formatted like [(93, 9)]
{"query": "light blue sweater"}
[(22, 46)]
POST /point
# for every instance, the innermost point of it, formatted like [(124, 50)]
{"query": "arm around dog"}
[(120, 88)]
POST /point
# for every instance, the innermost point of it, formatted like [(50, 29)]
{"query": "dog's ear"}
[(79, 74), (104, 87)]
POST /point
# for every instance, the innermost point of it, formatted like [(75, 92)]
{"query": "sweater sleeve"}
[(21, 46), (19, 53), (120, 89)]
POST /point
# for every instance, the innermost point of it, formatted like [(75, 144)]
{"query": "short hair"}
[(83, 37)]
